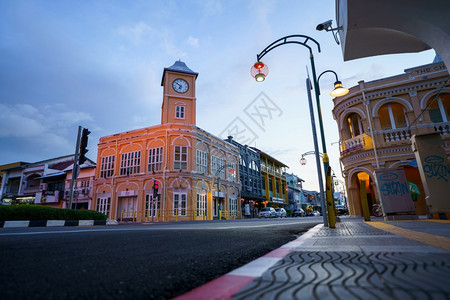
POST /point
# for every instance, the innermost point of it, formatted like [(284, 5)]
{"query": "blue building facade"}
[(250, 178)]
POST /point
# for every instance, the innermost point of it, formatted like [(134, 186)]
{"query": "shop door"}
[(127, 207)]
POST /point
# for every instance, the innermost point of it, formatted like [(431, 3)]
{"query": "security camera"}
[(325, 25)]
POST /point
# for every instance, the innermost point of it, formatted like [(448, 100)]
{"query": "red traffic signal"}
[(155, 188)]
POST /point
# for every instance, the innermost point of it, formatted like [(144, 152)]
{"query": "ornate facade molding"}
[(388, 92)]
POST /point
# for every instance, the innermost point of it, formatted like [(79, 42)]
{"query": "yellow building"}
[(274, 183), (171, 171), (376, 121)]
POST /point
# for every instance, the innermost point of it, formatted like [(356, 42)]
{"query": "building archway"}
[(356, 179)]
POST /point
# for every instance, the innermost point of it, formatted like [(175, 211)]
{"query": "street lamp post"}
[(303, 159), (217, 174), (323, 202), (259, 71)]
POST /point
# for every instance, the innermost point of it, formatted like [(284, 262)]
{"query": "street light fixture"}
[(303, 160), (339, 90), (259, 71)]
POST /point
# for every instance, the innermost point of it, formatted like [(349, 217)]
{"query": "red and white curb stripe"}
[(229, 284)]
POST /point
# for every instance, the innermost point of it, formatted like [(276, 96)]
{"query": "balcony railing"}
[(354, 144), (443, 128), (395, 135), (364, 142)]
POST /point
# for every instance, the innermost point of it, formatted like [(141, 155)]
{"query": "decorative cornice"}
[(380, 93), (384, 154)]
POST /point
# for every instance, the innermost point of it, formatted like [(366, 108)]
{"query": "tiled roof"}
[(180, 67), (61, 165)]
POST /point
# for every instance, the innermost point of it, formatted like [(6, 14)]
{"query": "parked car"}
[(281, 213), (268, 212), (298, 213), (341, 210)]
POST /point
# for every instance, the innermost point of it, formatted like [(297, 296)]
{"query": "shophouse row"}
[(171, 171)]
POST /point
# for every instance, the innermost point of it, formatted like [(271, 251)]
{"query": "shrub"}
[(39, 212)]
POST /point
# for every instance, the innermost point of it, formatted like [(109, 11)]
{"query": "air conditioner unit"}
[(43, 187)]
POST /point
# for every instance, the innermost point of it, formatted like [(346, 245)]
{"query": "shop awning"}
[(52, 175)]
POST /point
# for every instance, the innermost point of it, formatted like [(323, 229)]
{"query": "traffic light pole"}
[(154, 203), (75, 167)]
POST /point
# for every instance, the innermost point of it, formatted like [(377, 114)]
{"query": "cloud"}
[(192, 41), (262, 12), (50, 130), (211, 7), (24, 120), (172, 50), (137, 33), (18, 121)]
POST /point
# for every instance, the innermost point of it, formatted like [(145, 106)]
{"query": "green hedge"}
[(38, 212)]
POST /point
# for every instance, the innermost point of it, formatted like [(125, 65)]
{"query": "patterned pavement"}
[(357, 261)]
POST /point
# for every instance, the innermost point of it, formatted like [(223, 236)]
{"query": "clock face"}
[(180, 85)]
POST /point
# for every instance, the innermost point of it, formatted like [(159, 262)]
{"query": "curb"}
[(54, 223), (229, 284)]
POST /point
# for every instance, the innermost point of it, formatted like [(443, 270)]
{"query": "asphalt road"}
[(157, 261)]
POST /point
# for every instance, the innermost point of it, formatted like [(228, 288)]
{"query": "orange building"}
[(376, 121), (171, 171)]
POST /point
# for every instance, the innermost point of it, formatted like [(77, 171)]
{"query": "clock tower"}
[(178, 105)]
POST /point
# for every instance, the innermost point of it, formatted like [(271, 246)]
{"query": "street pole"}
[(316, 150), (218, 197), (259, 72), (326, 161), (75, 167), (217, 173)]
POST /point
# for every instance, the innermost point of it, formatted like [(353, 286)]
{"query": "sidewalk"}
[(355, 260)]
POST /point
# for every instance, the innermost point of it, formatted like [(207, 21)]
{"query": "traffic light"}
[(83, 145), (155, 188)]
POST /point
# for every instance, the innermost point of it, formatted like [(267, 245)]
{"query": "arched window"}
[(439, 109), (392, 116), (354, 125)]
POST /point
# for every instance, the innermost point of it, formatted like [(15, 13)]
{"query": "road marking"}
[(258, 226), (142, 228), (437, 241), (229, 284)]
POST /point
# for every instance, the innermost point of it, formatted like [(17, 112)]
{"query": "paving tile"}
[(356, 261)]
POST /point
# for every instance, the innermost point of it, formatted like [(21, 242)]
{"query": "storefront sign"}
[(277, 200), (127, 193)]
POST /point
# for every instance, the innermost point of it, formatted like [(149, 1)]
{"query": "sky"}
[(98, 64)]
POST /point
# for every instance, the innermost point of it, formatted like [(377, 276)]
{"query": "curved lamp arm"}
[(285, 40), (339, 90)]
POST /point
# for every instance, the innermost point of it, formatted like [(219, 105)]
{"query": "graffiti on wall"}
[(436, 166)]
